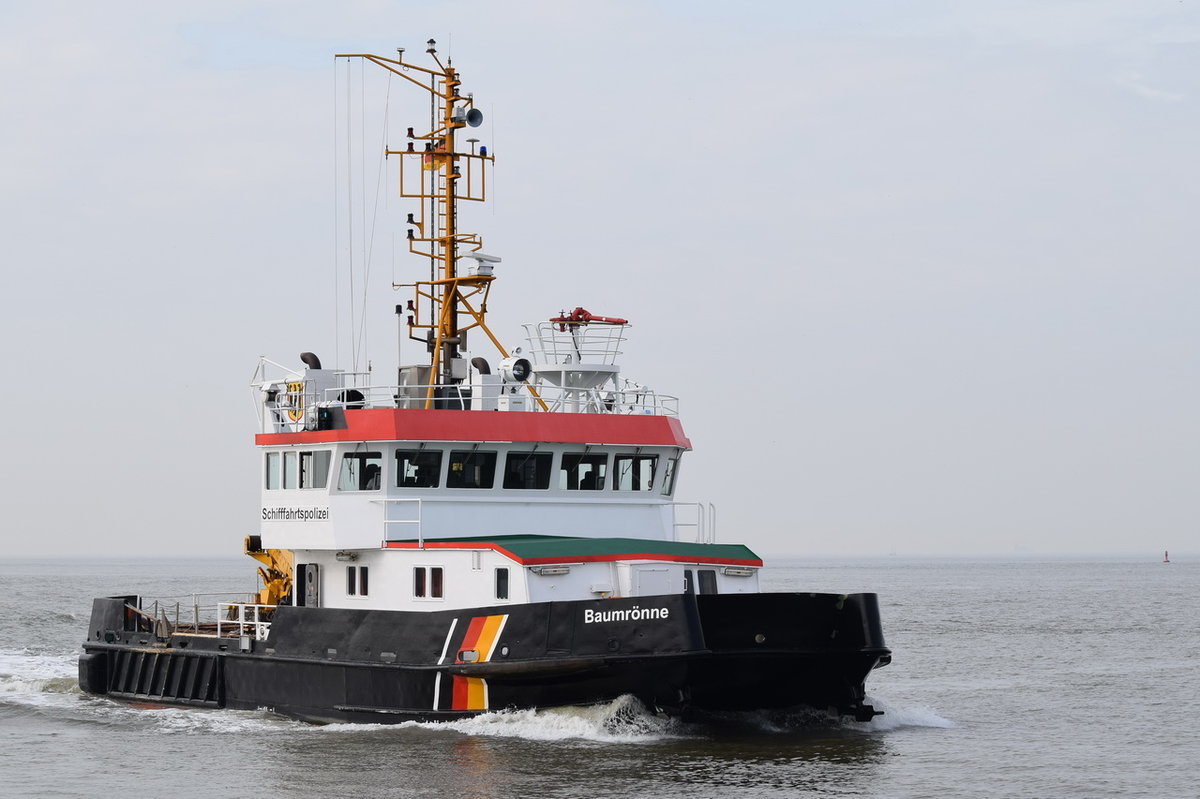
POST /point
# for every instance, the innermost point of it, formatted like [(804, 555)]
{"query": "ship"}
[(496, 529)]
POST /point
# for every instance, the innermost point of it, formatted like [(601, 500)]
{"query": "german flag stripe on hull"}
[(469, 693), (480, 638)]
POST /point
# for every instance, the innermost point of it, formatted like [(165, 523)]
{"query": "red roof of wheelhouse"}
[(403, 424)]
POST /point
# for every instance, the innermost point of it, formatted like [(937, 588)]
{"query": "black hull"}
[(678, 653)]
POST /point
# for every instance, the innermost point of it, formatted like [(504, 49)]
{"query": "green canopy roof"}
[(539, 549)]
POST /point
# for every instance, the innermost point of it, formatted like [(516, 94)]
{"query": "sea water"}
[(1011, 678)]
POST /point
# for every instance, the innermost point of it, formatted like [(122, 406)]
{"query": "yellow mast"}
[(433, 169)]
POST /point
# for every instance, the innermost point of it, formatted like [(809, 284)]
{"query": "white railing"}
[(417, 521), (242, 619), (704, 521), (629, 399), (193, 609), (553, 343), (281, 409)]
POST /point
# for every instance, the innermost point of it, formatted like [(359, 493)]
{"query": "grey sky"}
[(922, 274)]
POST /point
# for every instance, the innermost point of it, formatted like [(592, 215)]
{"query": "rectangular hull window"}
[(501, 583), (427, 582), (356, 581)]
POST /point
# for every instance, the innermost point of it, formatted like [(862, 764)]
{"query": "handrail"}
[(627, 399), (240, 623), (705, 523), (159, 607), (294, 406), (416, 521), (551, 343)]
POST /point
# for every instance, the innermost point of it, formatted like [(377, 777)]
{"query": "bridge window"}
[(314, 468), (273, 475), (634, 472), (298, 469), (289, 470), (427, 582), (582, 472), (471, 469), (418, 468), (360, 471), (668, 483), (527, 470)]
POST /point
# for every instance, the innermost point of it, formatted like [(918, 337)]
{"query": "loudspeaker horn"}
[(474, 117)]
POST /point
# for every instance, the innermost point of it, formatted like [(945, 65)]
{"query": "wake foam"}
[(26, 674), (624, 720), (895, 718), (805, 719), (186, 720), (770, 722)]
